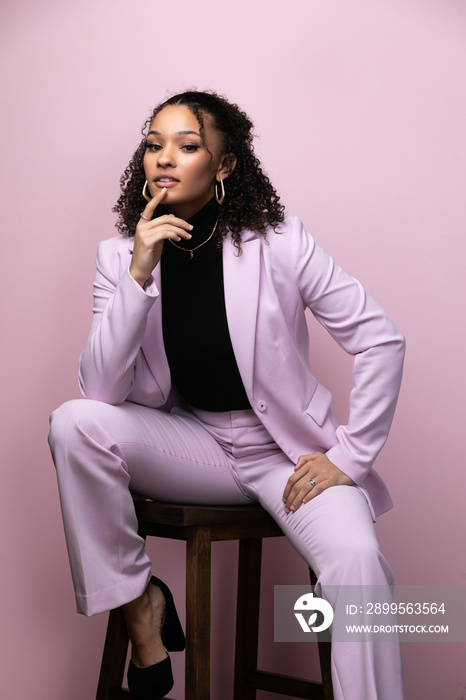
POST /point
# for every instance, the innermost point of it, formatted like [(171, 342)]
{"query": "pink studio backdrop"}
[(360, 107)]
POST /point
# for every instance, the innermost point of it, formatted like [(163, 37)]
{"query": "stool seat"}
[(248, 521), (199, 526)]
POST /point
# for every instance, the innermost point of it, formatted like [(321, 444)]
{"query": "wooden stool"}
[(199, 526)]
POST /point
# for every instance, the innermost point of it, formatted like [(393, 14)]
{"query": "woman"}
[(198, 387)]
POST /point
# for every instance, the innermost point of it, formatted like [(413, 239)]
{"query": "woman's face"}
[(177, 159)]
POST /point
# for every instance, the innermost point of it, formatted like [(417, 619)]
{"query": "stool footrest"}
[(285, 685)]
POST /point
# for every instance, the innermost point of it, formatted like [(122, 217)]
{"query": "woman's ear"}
[(226, 167)]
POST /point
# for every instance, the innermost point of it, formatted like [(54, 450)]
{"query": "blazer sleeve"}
[(363, 329), (107, 366)]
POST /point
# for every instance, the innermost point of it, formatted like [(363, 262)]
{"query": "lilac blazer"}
[(267, 290)]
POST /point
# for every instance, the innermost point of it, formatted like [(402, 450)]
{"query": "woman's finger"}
[(170, 220), (299, 490), (151, 206), (300, 470), (306, 458), (309, 489), (156, 234)]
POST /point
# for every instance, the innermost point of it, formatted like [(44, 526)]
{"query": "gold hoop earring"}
[(146, 193), (222, 191)]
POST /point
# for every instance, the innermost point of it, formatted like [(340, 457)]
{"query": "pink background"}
[(361, 110)]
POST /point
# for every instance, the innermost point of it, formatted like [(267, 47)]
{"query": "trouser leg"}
[(335, 535), (103, 451)]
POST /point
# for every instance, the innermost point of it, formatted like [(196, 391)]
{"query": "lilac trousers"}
[(103, 453)]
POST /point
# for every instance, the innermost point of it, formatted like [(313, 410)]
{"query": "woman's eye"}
[(152, 147), (190, 147)]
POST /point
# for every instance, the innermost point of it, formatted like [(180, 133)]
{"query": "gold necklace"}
[(191, 250)]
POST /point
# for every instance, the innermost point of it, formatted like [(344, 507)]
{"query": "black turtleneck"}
[(195, 330)]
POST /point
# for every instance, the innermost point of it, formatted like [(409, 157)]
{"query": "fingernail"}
[(292, 508), (191, 226), (189, 235)]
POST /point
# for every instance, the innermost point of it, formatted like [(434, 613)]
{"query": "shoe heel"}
[(172, 632)]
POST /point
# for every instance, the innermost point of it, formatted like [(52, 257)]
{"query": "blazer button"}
[(261, 406)]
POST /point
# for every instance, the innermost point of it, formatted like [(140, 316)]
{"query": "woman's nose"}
[(166, 157)]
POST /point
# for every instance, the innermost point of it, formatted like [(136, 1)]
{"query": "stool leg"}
[(198, 583), (247, 616), (324, 656), (114, 657)]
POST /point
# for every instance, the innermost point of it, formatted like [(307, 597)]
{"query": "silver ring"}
[(312, 482), (144, 217)]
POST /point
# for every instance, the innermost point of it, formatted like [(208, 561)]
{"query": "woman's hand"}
[(150, 235), (318, 468)]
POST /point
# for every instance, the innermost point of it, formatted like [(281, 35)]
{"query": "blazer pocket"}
[(318, 407)]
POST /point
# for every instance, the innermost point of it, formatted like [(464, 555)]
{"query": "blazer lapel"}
[(241, 275), (153, 345)]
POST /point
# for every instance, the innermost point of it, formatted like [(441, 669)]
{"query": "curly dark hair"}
[(251, 201)]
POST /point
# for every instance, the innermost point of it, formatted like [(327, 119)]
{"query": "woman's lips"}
[(170, 182)]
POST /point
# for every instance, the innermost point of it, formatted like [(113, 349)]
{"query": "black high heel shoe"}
[(153, 682)]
